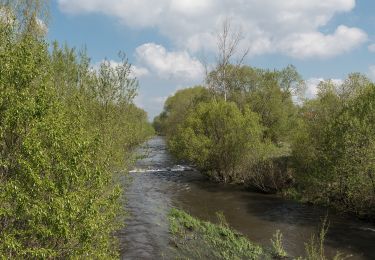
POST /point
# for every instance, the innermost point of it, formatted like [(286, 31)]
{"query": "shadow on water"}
[(160, 185)]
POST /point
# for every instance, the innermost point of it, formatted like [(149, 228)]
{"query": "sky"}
[(169, 42)]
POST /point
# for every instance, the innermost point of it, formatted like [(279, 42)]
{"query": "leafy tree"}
[(334, 150), (348, 154), (217, 137), (59, 144), (269, 93), (291, 82), (177, 107)]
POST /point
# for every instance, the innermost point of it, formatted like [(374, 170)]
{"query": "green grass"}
[(196, 239), (192, 238)]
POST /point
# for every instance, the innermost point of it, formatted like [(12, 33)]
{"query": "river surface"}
[(157, 184)]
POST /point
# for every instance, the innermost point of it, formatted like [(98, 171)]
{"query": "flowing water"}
[(158, 184)]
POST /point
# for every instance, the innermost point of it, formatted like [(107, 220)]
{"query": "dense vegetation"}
[(244, 139), (263, 133), (204, 130), (334, 148), (197, 239), (65, 131), (193, 238)]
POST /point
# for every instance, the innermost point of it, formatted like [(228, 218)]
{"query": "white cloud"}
[(269, 26), (316, 44), (139, 72), (177, 65), (312, 86), (371, 47), (112, 63), (371, 73), (159, 72), (152, 104)]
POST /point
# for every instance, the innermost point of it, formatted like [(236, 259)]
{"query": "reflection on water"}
[(158, 184)]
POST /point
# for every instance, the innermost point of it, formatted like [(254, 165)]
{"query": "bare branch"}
[(228, 42)]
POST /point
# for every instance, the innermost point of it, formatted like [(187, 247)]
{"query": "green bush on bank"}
[(64, 130), (242, 140), (335, 152), (192, 238), (320, 150), (217, 137), (196, 239)]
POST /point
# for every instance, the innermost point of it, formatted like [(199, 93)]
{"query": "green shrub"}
[(61, 139), (334, 152), (196, 239), (277, 245), (219, 139)]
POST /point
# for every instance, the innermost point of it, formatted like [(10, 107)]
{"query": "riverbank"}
[(196, 239), (323, 147), (159, 185)]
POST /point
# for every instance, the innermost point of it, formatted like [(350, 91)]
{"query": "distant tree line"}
[(262, 133), (66, 132)]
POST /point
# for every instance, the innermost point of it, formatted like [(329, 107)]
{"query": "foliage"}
[(277, 245), (64, 129), (253, 126), (197, 239), (268, 93), (324, 146), (177, 107), (334, 151), (315, 247), (203, 240), (217, 138)]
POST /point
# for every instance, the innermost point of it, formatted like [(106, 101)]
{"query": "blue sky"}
[(167, 40)]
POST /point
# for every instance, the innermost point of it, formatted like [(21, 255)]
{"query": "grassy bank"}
[(196, 239)]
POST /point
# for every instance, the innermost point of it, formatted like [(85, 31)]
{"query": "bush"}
[(334, 153), (197, 239), (277, 245), (219, 139), (61, 138)]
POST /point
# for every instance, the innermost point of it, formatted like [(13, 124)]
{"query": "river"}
[(157, 184)]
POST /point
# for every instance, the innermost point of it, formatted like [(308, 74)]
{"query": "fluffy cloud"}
[(316, 44), (290, 27), (371, 47), (177, 65), (312, 86), (139, 72)]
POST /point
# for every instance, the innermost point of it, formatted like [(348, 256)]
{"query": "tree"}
[(228, 43), (59, 146), (177, 107), (291, 82), (334, 148), (219, 139), (347, 154)]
